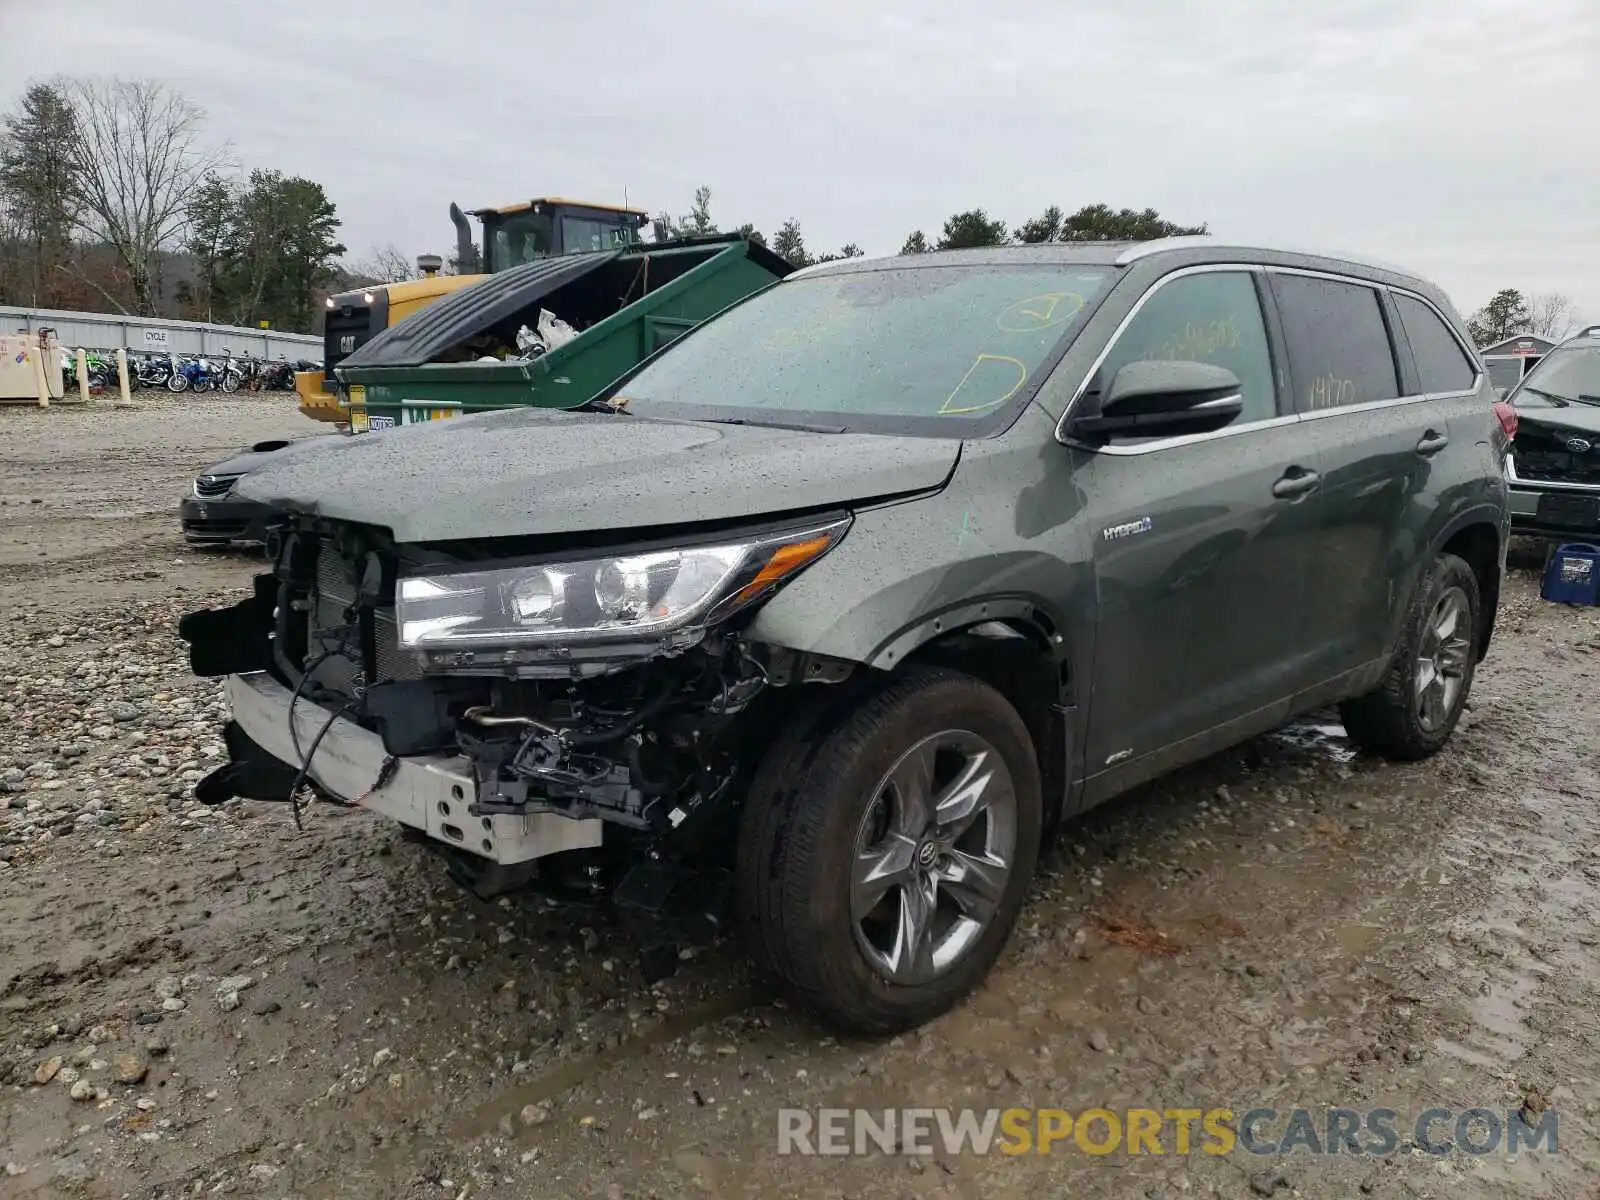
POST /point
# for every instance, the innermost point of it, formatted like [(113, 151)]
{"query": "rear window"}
[(1338, 343), (1563, 377), (1442, 365), (942, 351)]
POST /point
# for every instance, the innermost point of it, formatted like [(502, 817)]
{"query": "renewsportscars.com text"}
[(1164, 1131)]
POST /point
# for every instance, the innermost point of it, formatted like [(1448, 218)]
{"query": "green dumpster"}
[(623, 305)]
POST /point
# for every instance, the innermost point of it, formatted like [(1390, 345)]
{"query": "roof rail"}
[(1191, 241)]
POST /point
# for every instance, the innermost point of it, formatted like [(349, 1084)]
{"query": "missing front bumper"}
[(428, 794)]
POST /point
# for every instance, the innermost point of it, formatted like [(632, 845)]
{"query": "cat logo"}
[(347, 344)]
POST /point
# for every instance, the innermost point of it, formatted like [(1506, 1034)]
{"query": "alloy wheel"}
[(933, 854), (1442, 659)]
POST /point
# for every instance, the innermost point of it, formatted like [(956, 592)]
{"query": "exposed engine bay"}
[(647, 734)]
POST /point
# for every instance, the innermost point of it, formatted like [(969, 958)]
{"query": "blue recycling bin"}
[(1572, 576)]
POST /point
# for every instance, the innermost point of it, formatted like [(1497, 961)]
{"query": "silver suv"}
[(1554, 467)]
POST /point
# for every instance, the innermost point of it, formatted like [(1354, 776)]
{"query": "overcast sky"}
[(1460, 137)]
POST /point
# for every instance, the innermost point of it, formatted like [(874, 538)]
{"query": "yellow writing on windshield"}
[(991, 380), (1044, 311)]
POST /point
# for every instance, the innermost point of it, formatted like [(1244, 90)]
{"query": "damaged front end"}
[(564, 716)]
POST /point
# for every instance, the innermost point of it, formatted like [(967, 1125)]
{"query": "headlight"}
[(622, 598)]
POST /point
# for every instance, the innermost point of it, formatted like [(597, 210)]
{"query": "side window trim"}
[(1277, 345), (1479, 370), (1283, 403), (1406, 371)]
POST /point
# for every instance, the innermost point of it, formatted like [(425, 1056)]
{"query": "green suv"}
[(832, 611)]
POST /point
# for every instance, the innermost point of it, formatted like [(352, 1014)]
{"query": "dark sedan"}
[(213, 515)]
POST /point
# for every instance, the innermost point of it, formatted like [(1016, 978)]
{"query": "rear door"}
[(1201, 542), (1378, 435)]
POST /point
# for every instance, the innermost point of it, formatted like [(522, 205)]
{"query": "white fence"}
[(150, 335)]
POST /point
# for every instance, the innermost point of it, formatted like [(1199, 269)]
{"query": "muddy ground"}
[(200, 1003)]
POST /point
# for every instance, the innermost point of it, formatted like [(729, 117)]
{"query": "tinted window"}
[(1212, 317), (1442, 365), (921, 350), (1338, 343)]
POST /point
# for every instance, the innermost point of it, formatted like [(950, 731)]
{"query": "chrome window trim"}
[(1544, 485), (1190, 439), (1264, 268), (1477, 378), (1373, 406)]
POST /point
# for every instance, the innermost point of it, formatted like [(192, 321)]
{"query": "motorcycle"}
[(193, 374), (278, 376), (229, 376), (153, 371)]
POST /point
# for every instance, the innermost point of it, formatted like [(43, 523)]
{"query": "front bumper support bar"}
[(429, 794)]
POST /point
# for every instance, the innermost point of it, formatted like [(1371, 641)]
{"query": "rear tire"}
[(834, 812), (1413, 712)]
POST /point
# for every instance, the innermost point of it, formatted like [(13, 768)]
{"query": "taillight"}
[(1507, 416)]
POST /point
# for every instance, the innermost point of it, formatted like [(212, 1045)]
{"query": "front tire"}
[(1413, 712), (883, 860)]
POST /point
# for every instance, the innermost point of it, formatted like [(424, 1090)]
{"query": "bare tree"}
[(383, 264), (135, 155), (1551, 315)]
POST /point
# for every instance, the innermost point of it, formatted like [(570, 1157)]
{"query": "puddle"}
[(1500, 1035)]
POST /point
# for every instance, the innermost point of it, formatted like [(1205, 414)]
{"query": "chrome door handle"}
[(1294, 482), (1432, 442)]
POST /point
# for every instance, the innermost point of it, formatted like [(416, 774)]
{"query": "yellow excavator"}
[(513, 235)]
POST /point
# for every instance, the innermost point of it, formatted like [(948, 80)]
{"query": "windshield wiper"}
[(798, 425), (1555, 398)]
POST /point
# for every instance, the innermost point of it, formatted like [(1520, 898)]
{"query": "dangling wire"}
[(305, 767)]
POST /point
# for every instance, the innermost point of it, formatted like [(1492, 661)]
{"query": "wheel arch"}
[(1022, 655), (1010, 643), (1478, 538)]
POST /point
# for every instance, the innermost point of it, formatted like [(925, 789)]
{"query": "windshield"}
[(940, 351), (1563, 377), (515, 240)]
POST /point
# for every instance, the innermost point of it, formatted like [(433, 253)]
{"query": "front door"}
[(1201, 549)]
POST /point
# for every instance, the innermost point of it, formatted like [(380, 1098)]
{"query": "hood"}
[(1568, 420), (251, 457), (535, 471)]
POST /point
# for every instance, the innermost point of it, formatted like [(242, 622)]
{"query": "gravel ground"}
[(198, 1002)]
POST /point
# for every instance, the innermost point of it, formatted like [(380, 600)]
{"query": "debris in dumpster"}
[(553, 331), (529, 343)]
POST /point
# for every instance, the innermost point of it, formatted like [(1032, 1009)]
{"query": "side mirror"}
[(1162, 399)]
